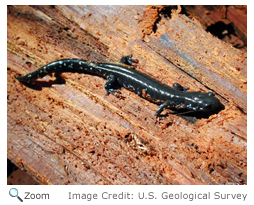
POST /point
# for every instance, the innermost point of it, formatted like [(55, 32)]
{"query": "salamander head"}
[(203, 102)]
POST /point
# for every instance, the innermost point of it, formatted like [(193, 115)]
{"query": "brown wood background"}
[(71, 133)]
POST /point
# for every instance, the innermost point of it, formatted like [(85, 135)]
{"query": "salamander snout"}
[(208, 102)]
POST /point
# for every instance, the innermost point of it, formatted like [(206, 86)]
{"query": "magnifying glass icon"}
[(14, 193)]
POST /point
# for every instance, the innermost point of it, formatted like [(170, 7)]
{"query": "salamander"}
[(124, 75)]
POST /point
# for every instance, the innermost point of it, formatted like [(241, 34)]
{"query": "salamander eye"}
[(210, 93)]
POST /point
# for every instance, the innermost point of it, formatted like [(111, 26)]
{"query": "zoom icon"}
[(14, 193)]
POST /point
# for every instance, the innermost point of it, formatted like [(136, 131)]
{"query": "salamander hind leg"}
[(111, 85), (128, 60)]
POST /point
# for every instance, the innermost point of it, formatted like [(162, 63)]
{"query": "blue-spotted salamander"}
[(124, 75)]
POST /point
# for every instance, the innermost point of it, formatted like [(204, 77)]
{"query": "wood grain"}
[(72, 133)]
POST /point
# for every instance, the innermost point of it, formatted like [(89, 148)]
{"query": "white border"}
[(59, 194)]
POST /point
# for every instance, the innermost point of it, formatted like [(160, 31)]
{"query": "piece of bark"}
[(72, 133), (228, 23)]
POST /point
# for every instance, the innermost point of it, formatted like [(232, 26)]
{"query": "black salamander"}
[(122, 75)]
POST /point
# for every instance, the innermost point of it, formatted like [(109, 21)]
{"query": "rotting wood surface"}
[(72, 133)]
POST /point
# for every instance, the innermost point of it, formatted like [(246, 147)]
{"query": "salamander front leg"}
[(162, 106), (177, 86), (111, 84), (128, 60)]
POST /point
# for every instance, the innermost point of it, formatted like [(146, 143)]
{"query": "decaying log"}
[(72, 133)]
